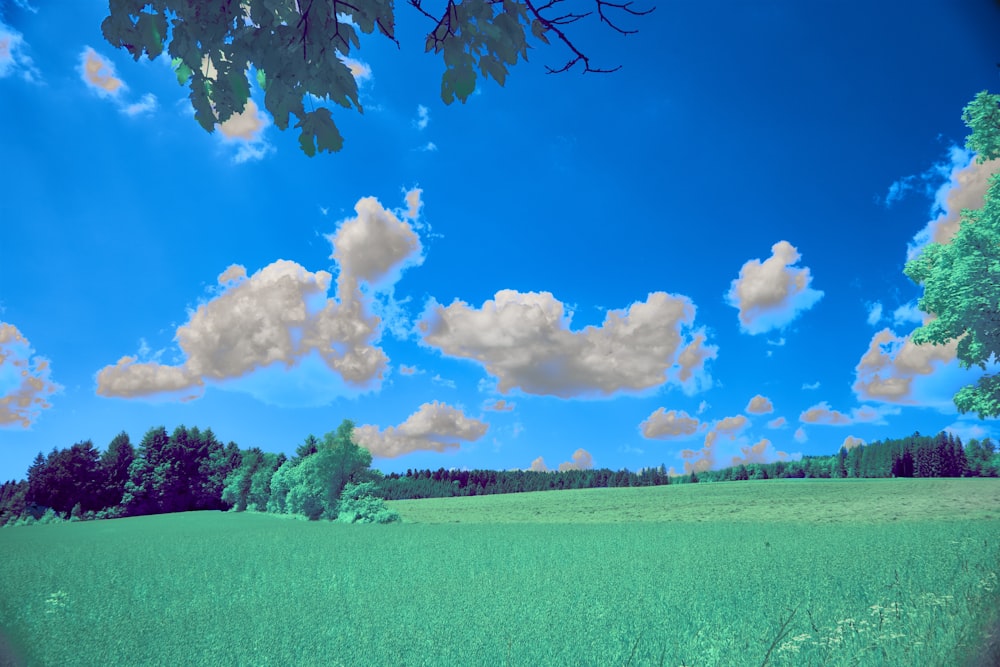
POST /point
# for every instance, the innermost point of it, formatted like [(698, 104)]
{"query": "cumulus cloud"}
[(759, 405), (705, 458), (772, 293), (13, 56), (245, 131), (361, 71), (499, 405), (814, 385), (822, 414), (965, 189), (524, 340), (731, 425), (99, 74), (665, 425), (258, 329), (776, 423), (582, 460), (24, 380), (407, 370), (800, 435), (850, 442), (895, 370), (434, 427), (759, 452), (376, 246)]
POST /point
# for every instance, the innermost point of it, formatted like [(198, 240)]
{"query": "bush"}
[(50, 516), (359, 504)]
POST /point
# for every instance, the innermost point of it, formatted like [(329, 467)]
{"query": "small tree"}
[(359, 504)]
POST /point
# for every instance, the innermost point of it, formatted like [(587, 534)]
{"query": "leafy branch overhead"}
[(297, 48), (961, 278)]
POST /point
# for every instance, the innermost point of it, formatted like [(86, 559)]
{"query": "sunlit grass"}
[(607, 585)]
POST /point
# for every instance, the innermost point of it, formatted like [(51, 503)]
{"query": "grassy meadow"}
[(778, 572)]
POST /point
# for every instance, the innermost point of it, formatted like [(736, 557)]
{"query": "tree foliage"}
[(297, 48), (961, 279)]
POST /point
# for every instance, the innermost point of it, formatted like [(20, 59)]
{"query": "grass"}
[(824, 572)]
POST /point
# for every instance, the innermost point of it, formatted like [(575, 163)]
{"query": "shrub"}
[(359, 504)]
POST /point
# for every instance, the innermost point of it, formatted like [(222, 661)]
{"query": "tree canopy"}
[(961, 278), (295, 48)]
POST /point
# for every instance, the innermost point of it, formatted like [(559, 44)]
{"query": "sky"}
[(694, 261)]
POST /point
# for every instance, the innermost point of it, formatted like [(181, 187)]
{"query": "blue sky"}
[(696, 258)]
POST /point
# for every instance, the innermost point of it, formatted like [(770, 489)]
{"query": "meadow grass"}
[(797, 573)]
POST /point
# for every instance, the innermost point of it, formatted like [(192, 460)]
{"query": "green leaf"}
[(538, 30), (319, 132), (261, 79), (152, 31), (182, 71), (458, 82), (200, 100)]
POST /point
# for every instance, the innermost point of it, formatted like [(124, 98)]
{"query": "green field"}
[(805, 572)]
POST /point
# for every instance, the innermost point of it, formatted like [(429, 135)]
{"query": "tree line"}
[(331, 478), (191, 470)]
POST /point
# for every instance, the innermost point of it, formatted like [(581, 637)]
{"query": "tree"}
[(66, 477), (237, 488), (114, 465), (296, 48), (961, 279)]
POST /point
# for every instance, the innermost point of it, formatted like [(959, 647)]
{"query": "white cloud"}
[(822, 414), (777, 422), (814, 385), (276, 334), (759, 452), (423, 117), (375, 246), (874, 313), (146, 104), (759, 405), (499, 405), (772, 293), (968, 430), (582, 460), (524, 340), (702, 407), (429, 147), (435, 427), (850, 442), (13, 59), (895, 370), (444, 382), (408, 370), (99, 74), (245, 130), (361, 71), (965, 189), (24, 380), (665, 425), (800, 435), (908, 313)]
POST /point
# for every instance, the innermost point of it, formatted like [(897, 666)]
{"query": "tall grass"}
[(210, 588)]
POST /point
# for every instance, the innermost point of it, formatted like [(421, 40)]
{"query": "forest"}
[(331, 478)]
